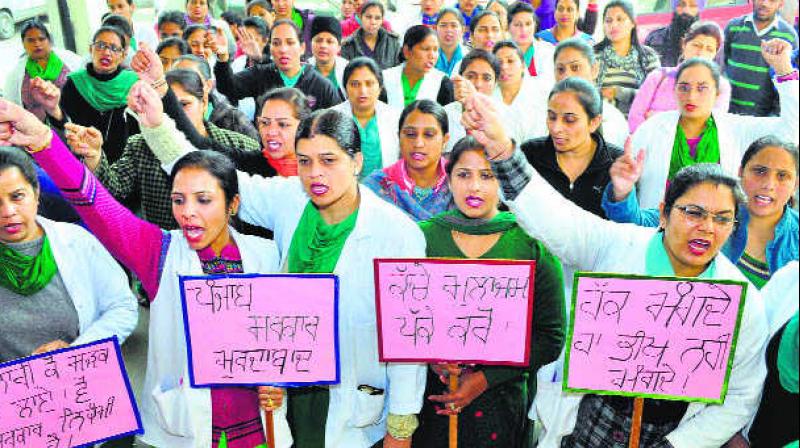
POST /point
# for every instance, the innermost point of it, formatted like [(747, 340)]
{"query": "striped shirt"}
[(752, 92)]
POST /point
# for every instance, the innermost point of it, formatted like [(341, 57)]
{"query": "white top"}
[(590, 243), (528, 110), (781, 296), (94, 281), (393, 83), (615, 126), (388, 122), (13, 87), (735, 133), (338, 68)]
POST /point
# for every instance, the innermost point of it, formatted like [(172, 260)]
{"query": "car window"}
[(652, 6), (723, 3)]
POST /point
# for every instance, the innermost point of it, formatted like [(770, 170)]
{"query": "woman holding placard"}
[(490, 401), (58, 285), (687, 246), (324, 222), (204, 198)]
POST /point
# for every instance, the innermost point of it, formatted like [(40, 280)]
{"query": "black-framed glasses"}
[(696, 215), (102, 46)]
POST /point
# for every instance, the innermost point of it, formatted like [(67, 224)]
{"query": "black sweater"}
[(260, 79), (587, 190), (114, 125)]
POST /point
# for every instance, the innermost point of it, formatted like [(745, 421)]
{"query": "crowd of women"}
[(295, 143)]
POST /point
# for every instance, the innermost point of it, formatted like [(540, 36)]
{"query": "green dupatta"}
[(707, 149), (26, 275)]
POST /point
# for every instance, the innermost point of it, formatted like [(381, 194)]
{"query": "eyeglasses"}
[(697, 215), (102, 46), (684, 88)]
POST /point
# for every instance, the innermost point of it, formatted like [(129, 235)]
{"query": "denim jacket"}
[(783, 248)]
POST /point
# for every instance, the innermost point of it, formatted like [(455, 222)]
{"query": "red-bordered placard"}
[(462, 311)]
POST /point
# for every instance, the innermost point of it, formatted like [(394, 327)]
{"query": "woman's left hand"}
[(50, 346), (18, 127), (609, 93), (391, 442), (270, 398), (471, 385)]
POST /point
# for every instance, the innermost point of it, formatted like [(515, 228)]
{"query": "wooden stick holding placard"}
[(636, 424), (270, 429), (453, 418)]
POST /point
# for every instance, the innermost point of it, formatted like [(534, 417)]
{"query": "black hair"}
[(120, 22), (291, 96), (111, 29), (466, 143), (257, 23), (473, 23), (202, 64), (587, 94), (334, 124), (177, 42), (522, 7), (15, 157), (578, 44), (693, 62), (482, 55), (509, 44), (172, 16), (414, 36), (627, 7), (191, 29), (190, 80), (699, 173), (429, 107), (453, 11), (363, 61), (770, 141), (214, 163), (291, 24), (34, 24), (372, 4), (262, 3), (232, 18)]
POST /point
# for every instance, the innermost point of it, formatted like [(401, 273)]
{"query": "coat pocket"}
[(173, 413), (370, 393)]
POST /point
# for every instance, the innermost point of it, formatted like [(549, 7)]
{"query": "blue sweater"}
[(783, 248)]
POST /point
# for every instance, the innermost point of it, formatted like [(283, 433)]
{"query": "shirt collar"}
[(750, 18)]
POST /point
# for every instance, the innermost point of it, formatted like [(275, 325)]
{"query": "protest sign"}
[(454, 310), (654, 337), (68, 397), (253, 329)]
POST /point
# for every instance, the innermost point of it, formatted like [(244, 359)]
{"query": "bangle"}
[(401, 427), (158, 83), (791, 76), (43, 146)]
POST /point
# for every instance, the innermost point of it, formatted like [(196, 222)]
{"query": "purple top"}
[(142, 247)]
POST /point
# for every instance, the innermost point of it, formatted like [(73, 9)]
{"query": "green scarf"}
[(26, 275), (707, 149), (455, 220), (657, 261), (788, 356), (50, 72), (104, 95), (316, 246)]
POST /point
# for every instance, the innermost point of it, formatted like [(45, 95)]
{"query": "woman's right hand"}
[(18, 127), (146, 102), (248, 43), (148, 66), (86, 142), (48, 95), (626, 171)]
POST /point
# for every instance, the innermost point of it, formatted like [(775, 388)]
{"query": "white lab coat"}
[(388, 122), (94, 281), (393, 84), (528, 110), (173, 413), (590, 243), (735, 133), (338, 70)]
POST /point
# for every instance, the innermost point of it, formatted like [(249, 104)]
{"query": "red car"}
[(652, 14)]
